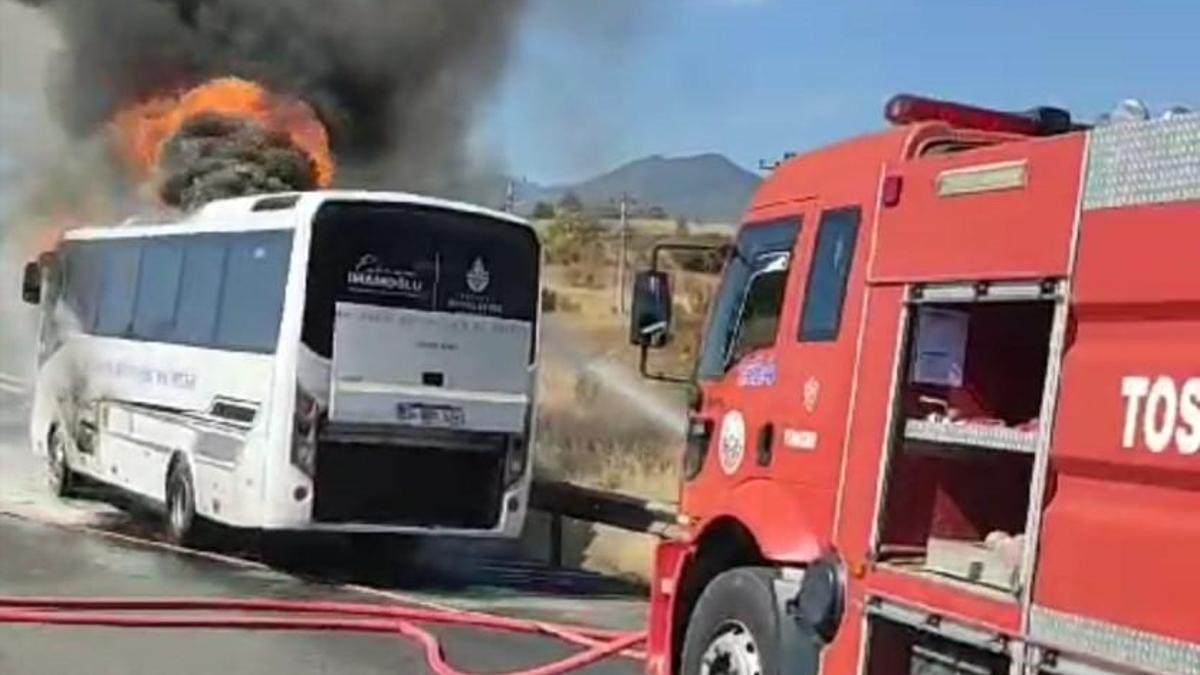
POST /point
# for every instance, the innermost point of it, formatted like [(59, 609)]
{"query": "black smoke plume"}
[(396, 81), (214, 156)]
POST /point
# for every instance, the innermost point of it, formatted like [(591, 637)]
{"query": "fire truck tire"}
[(181, 522), (735, 628)]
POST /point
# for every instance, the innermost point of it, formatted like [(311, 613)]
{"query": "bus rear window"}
[(418, 257)]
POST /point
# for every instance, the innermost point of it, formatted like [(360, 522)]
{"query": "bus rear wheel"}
[(61, 478), (733, 629), (181, 521)]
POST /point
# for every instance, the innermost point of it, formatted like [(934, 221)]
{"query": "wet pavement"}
[(44, 551)]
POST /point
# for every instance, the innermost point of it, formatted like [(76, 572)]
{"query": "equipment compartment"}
[(966, 432), (896, 649)]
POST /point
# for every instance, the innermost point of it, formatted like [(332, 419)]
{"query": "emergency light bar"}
[(1041, 121)]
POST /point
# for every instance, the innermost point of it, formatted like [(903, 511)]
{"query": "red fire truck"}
[(946, 415)]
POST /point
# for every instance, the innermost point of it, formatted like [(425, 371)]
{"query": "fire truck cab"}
[(947, 409)]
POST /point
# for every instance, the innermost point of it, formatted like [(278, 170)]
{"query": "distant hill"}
[(705, 188)]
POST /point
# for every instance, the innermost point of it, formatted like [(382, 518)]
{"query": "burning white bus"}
[(337, 361)]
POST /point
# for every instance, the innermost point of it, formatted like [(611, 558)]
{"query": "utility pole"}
[(510, 197), (623, 254)]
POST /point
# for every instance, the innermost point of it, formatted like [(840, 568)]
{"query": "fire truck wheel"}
[(62, 479), (734, 629), (180, 526)]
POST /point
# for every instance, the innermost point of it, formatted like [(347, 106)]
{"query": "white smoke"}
[(29, 140)]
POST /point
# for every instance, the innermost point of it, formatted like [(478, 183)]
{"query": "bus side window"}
[(82, 281), (158, 289), (120, 261), (821, 318), (200, 290), (52, 278), (252, 301)]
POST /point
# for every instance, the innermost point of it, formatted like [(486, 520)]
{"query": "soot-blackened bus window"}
[(84, 271), (200, 289), (253, 288), (158, 289), (118, 290)]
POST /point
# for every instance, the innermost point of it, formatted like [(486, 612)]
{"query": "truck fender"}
[(670, 560), (779, 521)]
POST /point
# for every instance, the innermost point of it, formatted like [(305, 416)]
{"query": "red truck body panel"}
[(793, 500), (1002, 234), (1121, 538), (802, 427)]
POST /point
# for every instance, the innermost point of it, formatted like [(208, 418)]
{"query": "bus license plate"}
[(423, 414)]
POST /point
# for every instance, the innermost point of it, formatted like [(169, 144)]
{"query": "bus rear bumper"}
[(507, 531), (508, 525)]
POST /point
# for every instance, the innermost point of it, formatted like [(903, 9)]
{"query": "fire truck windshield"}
[(736, 310)]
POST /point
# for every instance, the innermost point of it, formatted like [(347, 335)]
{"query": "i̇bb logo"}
[(1161, 412)]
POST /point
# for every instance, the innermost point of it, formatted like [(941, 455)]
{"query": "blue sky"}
[(590, 88)]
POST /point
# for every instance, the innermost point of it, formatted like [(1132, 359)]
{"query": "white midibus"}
[(338, 361)]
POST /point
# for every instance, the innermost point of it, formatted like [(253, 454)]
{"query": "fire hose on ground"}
[(293, 615)]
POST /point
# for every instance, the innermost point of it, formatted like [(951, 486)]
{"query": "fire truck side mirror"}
[(650, 318), (31, 283)]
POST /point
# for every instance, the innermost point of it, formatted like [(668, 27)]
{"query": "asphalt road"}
[(44, 550)]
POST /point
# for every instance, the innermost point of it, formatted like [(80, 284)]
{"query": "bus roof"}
[(271, 212)]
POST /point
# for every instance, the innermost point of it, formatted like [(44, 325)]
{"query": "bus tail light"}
[(304, 433), (516, 457)]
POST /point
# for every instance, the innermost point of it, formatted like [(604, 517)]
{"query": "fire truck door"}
[(775, 372), (738, 368), (816, 356)]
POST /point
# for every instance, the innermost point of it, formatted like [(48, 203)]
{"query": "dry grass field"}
[(600, 423)]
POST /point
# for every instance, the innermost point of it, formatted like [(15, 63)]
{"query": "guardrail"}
[(560, 499)]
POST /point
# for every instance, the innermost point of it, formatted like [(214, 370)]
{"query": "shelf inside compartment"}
[(957, 488), (959, 513), (981, 364), (982, 436), (992, 570)]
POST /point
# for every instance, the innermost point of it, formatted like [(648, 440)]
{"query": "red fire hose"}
[(322, 616)]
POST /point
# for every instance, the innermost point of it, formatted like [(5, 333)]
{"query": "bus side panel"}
[(280, 481), (157, 401), (48, 386), (1121, 536)]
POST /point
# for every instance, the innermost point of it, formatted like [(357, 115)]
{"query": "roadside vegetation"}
[(600, 423)]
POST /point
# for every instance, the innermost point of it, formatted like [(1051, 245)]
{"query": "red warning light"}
[(907, 109)]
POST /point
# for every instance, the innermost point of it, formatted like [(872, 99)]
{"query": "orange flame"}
[(143, 129)]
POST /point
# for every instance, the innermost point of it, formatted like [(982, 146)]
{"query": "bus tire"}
[(734, 627), (181, 522), (63, 481)]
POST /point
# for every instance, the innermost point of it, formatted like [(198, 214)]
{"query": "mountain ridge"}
[(705, 187)]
